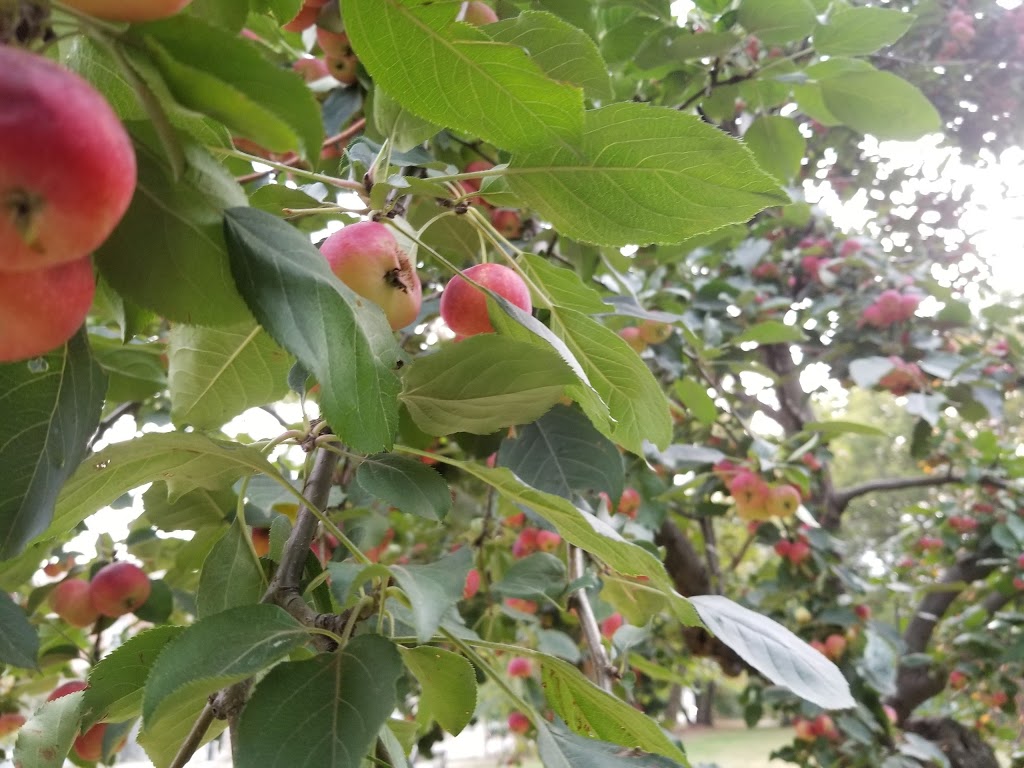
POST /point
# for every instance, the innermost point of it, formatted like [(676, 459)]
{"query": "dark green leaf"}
[(19, 641), (190, 511), (52, 405), (561, 749), (231, 574), (775, 652), (514, 105), (448, 688), (343, 698), (433, 589), (639, 176), (405, 483), (343, 339), (535, 577)]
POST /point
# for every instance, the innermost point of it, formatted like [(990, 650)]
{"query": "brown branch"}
[(195, 736), (842, 498), (917, 684), (125, 409)]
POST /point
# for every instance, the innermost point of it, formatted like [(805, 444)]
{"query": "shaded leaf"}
[(777, 21), (860, 31), (231, 575), (433, 589), (561, 749), (405, 483), (777, 144), (448, 689), (45, 740), (19, 641)]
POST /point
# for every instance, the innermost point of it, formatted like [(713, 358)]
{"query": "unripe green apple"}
[(129, 10), (40, 310), (119, 588), (654, 332), (464, 306), (367, 258), (67, 166), (70, 600)]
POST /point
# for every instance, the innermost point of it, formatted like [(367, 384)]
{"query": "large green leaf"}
[(566, 53), (562, 287), (535, 577), (324, 712), (880, 103), (559, 748), (433, 589), (562, 453), (185, 460), (343, 339), (116, 682), (216, 373), (637, 406), (45, 740), (483, 383), (775, 652), (406, 484), (597, 714), (189, 511), (168, 252), (777, 21), (50, 408), (860, 31), (216, 72), (19, 640), (777, 144), (231, 574), (452, 74), (448, 687), (642, 175)]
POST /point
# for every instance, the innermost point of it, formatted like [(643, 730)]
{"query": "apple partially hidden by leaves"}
[(464, 306), (70, 600), (368, 259)]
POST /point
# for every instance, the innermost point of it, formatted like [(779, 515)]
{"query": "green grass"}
[(736, 746)]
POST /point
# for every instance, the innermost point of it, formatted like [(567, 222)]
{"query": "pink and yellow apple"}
[(119, 588), (464, 306), (70, 600)]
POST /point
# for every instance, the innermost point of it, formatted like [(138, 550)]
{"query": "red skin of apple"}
[(473, 185), (526, 543), (957, 679), (119, 588), (1020, 560), (261, 541), (521, 605), (478, 14), (41, 310), (10, 722), (824, 726), (804, 730), (342, 68), (653, 332), (629, 503), (518, 722), (863, 611), (464, 306), (70, 600), (799, 551), (65, 182), (311, 68), (519, 667), (304, 19), (835, 647), (783, 501), (334, 44), (472, 584), (610, 625), (89, 746), (751, 494), (129, 10), (634, 338), (367, 258), (66, 689), (548, 541), (507, 222)]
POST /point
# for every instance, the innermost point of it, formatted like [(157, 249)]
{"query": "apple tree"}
[(451, 360)]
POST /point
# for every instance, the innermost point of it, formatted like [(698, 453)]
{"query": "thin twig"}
[(194, 738), (591, 632), (125, 409)]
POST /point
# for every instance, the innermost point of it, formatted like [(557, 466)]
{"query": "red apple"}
[(783, 501), (804, 730), (548, 541), (40, 310), (464, 306), (10, 722), (89, 746), (518, 722), (629, 503), (507, 222), (957, 679), (119, 588), (519, 667), (634, 338), (368, 259), (835, 647), (478, 14), (129, 10), (1020, 560), (751, 494), (65, 182), (311, 68), (863, 611), (521, 605), (799, 552), (611, 625), (70, 600), (824, 726), (64, 689), (473, 185), (525, 543), (653, 332), (261, 541), (472, 584)]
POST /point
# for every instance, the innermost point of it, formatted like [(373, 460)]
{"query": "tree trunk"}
[(963, 747), (706, 705), (675, 704)]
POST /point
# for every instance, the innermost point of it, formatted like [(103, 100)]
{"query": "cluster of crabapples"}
[(754, 497), (115, 589)]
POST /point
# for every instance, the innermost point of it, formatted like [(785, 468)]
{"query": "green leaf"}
[(19, 641), (433, 589), (343, 698), (696, 399), (52, 406), (777, 21), (216, 373), (168, 252), (45, 740), (597, 714), (405, 129), (187, 512), (868, 371), (878, 665), (775, 652), (860, 31), (159, 605), (674, 44), (641, 175), (769, 332), (405, 483), (586, 531), (117, 680), (777, 144), (838, 427), (637, 406), (562, 453), (135, 371), (231, 575), (483, 383), (880, 103), (214, 71), (565, 53), (342, 338), (448, 689), (186, 460), (561, 749), (513, 104), (563, 287), (537, 576)]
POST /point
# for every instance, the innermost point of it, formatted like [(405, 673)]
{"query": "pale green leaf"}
[(560, 748), (563, 287), (777, 144), (231, 575), (696, 399), (777, 21), (860, 31), (433, 589), (45, 740), (448, 687), (882, 104), (769, 332)]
